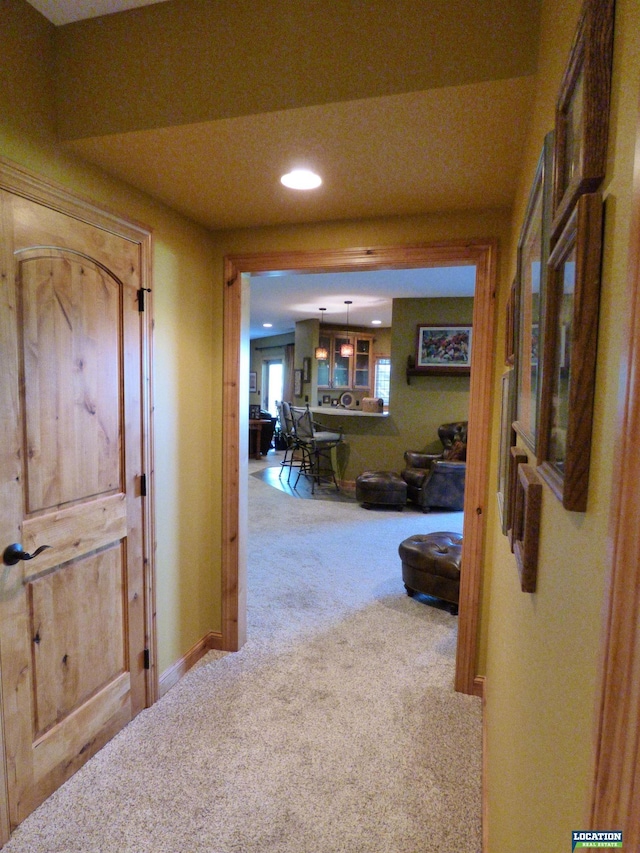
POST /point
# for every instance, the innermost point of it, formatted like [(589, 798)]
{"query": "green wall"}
[(415, 411)]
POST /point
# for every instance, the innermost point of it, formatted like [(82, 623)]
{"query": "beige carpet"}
[(336, 728)]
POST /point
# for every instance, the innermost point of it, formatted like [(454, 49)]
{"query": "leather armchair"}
[(436, 480)]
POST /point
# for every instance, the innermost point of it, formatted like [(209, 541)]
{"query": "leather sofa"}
[(436, 480)]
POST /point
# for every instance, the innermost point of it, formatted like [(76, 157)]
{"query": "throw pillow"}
[(457, 452)]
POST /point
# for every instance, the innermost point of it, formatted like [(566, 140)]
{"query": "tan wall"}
[(542, 650), (539, 651), (187, 340), (241, 57)]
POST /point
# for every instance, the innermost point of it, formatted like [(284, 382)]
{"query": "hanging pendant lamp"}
[(346, 350), (321, 353)]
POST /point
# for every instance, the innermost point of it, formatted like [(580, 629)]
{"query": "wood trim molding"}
[(615, 790), (481, 253), (171, 676)]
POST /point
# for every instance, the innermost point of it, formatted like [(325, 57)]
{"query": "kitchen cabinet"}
[(340, 372)]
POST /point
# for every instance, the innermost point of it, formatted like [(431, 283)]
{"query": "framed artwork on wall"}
[(533, 252), (582, 111), (510, 327), (253, 382), (527, 512), (297, 383), (442, 349), (570, 353), (507, 440), (517, 457)]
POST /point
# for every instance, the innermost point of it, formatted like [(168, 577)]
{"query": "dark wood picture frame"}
[(443, 348), (530, 297), (517, 457), (573, 297), (306, 369), (510, 327), (582, 111), (526, 534), (507, 440)]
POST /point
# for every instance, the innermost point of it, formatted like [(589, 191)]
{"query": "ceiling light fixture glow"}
[(301, 179), (346, 349), (321, 352), (376, 322), (267, 325)]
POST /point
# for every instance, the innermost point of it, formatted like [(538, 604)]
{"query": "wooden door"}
[(72, 619)]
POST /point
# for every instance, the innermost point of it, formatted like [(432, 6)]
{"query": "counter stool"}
[(431, 565), (381, 488)]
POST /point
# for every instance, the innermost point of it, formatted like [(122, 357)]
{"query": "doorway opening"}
[(272, 386), (481, 254)]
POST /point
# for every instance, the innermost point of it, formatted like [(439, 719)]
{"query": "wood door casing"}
[(74, 621), (480, 253)]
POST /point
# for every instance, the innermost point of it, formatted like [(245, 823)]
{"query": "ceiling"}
[(65, 11), (452, 143), (282, 299)]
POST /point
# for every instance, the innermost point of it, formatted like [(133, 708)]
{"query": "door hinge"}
[(147, 659), (143, 485), (141, 293)]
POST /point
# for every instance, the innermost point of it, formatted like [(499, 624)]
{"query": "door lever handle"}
[(14, 553)]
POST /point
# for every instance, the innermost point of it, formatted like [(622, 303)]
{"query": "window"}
[(382, 379)]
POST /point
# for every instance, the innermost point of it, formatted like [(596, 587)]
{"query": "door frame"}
[(480, 253), (21, 182), (614, 801)]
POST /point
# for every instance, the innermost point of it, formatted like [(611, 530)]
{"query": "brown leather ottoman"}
[(381, 488), (431, 565)]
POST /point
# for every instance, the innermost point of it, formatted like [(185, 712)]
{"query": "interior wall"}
[(380, 443), (114, 60), (187, 339), (542, 649)]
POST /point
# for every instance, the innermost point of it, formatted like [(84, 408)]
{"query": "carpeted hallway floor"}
[(336, 727)]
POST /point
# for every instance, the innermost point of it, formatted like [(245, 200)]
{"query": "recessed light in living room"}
[(301, 179)]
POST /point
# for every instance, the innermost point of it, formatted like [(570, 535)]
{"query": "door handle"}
[(14, 553)]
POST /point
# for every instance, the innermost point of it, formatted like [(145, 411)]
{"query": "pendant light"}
[(346, 350), (321, 353)]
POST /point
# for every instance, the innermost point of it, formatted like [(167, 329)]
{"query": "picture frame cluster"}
[(552, 310)]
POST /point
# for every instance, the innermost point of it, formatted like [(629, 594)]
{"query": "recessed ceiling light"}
[(376, 322), (267, 325), (301, 179)]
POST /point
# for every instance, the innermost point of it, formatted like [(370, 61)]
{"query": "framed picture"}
[(297, 383), (326, 399), (510, 328), (570, 353), (582, 111), (253, 382), (527, 512), (254, 412), (306, 369), (533, 252), (517, 457), (443, 349), (507, 440)]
